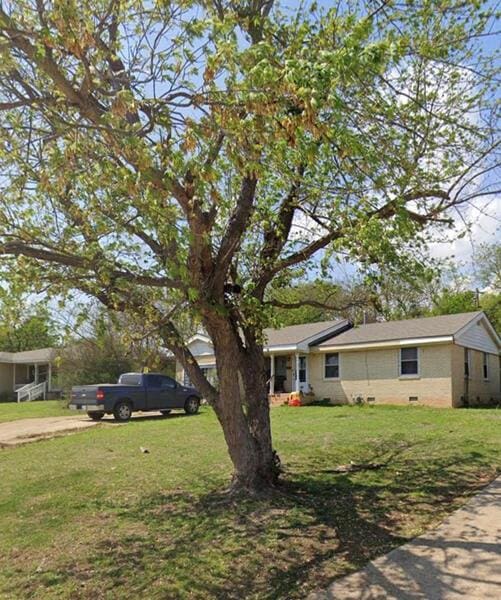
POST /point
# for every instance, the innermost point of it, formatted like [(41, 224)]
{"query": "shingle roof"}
[(442, 325), (295, 334)]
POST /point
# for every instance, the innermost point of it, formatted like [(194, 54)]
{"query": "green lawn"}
[(12, 411), (91, 516)]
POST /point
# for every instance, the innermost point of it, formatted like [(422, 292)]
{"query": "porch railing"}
[(32, 391)]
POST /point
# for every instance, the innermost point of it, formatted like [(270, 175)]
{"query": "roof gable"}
[(480, 335), (201, 345)]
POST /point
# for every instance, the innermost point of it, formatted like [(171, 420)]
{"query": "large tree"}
[(173, 157)]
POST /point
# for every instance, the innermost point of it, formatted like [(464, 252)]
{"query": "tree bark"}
[(242, 409)]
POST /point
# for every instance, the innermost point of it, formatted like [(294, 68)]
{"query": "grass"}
[(91, 516), (12, 411)]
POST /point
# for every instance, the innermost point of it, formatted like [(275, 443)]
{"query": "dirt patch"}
[(23, 431)]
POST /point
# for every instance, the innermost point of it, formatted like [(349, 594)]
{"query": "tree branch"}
[(234, 231)]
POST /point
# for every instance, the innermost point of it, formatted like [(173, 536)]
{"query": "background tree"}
[(322, 300), (488, 258), (25, 325), (450, 302), (179, 157), (106, 347), (491, 304)]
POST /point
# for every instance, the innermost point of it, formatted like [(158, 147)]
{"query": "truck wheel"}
[(122, 411), (95, 416), (166, 412), (191, 405)]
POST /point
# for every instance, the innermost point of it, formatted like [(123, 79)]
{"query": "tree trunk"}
[(243, 411)]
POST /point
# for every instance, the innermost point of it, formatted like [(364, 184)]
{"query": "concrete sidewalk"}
[(459, 559), (14, 433)]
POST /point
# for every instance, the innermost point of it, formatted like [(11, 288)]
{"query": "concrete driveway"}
[(459, 559), (14, 433), (22, 431)]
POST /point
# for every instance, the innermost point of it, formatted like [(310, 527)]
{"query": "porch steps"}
[(32, 391), (279, 399), (296, 398)]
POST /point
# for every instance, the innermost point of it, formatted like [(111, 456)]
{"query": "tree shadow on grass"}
[(317, 527)]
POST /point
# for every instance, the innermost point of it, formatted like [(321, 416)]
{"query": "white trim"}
[(296, 373), (389, 344), (272, 374), (303, 386), (199, 337), (338, 367), (277, 349)]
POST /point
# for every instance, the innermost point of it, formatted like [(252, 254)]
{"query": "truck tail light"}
[(100, 395)]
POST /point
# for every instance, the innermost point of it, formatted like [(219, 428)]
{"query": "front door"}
[(303, 374), (280, 373)]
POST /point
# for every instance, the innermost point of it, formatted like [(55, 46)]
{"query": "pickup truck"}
[(134, 391)]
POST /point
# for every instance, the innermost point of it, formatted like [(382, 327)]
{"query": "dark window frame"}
[(485, 366), (409, 361), (334, 366), (467, 363)]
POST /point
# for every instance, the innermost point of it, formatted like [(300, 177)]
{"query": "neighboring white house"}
[(27, 375), (449, 360)]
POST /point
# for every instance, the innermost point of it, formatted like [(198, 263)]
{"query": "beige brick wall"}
[(374, 373), (479, 391)]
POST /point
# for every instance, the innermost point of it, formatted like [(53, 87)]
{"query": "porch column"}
[(36, 374), (297, 372), (49, 378), (14, 377), (272, 373)]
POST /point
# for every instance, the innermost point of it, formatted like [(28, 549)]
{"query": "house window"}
[(209, 371), (467, 363), (485, 366), (409, 363), (332, 366)]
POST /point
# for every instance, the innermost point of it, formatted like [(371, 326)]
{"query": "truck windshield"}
[(130, 379)]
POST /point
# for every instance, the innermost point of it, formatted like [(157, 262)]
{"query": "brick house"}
[(446, 361)]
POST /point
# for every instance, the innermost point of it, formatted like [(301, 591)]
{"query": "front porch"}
[(288, 374), (31, 381)]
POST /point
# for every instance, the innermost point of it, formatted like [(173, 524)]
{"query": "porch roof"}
[(41, 356), (303, 336)]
